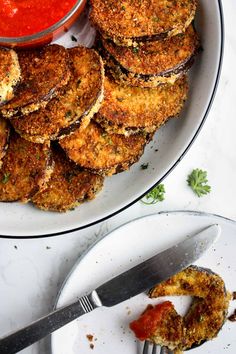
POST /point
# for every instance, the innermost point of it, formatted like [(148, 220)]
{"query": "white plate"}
[(172, 141), (120, 250)]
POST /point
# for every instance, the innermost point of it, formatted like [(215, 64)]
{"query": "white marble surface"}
[(32, 271)]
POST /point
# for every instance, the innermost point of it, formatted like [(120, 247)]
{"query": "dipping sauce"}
[(26, 17), (147, 323)]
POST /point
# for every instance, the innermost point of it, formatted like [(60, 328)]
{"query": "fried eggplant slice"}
[(103, 153), (68, 187), (152, 63), (4, 138), (73, 107), (10, 74), (209, 308), (44, 71), (128, 110), (160, 324), (129, 22), (26, 169)]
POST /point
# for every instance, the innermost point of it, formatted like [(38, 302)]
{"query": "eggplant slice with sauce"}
[(44, 71), (130, 22), (68, 187), (152, 63), (131, 110), (73, 107), (209, 307)]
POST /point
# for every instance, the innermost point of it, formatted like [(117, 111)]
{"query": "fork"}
[(152, 348)]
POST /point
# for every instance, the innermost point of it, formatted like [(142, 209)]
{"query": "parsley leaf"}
[(5, 177), (197, 180), (157, 194)]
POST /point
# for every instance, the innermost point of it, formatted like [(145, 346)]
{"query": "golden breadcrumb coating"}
[(128, 22), (68, 186), (44, 71), (73, 107)]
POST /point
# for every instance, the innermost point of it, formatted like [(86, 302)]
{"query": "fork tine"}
[(145, 347), (164, 350), (154, 349)]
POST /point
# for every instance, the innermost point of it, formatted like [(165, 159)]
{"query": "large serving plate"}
[(167, 148), (124, 248)]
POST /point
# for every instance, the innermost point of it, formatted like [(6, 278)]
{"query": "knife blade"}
[(120, 288)]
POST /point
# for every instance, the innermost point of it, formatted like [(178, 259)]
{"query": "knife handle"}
[(39, 329)]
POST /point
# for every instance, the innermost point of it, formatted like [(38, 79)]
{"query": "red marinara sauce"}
[(26, 17), (148, 322)]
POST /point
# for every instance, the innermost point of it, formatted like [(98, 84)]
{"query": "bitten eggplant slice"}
[(209, 308), (152, 63), (10, 74), (68, 187), (130, 22), (4, 138), (44, 71), (73, 107), (128, 110), (26, 169), (103, 153)]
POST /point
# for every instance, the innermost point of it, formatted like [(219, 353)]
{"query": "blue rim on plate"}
[(221, 18)]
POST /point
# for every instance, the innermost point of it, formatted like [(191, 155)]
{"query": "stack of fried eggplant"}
[(65, 125), (147, 47), (46, 94)]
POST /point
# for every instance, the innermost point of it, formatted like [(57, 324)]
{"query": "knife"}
[(126, 285)]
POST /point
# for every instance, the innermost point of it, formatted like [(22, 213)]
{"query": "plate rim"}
[(136, 199), (102, 238)]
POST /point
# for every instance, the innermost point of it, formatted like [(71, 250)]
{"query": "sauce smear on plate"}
[(25, 17)]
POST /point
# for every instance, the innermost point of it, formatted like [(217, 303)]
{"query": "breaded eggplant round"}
[(103, 153), (128, 110), (4, 138), (10, 74), (153, 63), (43, 72), (129, 22), (209, 308), (26, 169), (73, 107), (68, 187)]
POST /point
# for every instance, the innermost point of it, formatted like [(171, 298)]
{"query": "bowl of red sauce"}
[(36, 22)]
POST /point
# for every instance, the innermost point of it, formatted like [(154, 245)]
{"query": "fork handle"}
[(39, 329)]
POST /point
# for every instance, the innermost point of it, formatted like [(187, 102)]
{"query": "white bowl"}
[(172, 142)]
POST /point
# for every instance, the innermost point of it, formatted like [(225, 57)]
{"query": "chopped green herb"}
[(73, 38), (5, 178), (156, 19), (135, 50), (123, 8), (197, 180), (38, 156), (144, 166), (157, 194), (68, 114)]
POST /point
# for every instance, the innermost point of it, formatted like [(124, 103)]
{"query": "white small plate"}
[(124, 248), (165, 151)]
